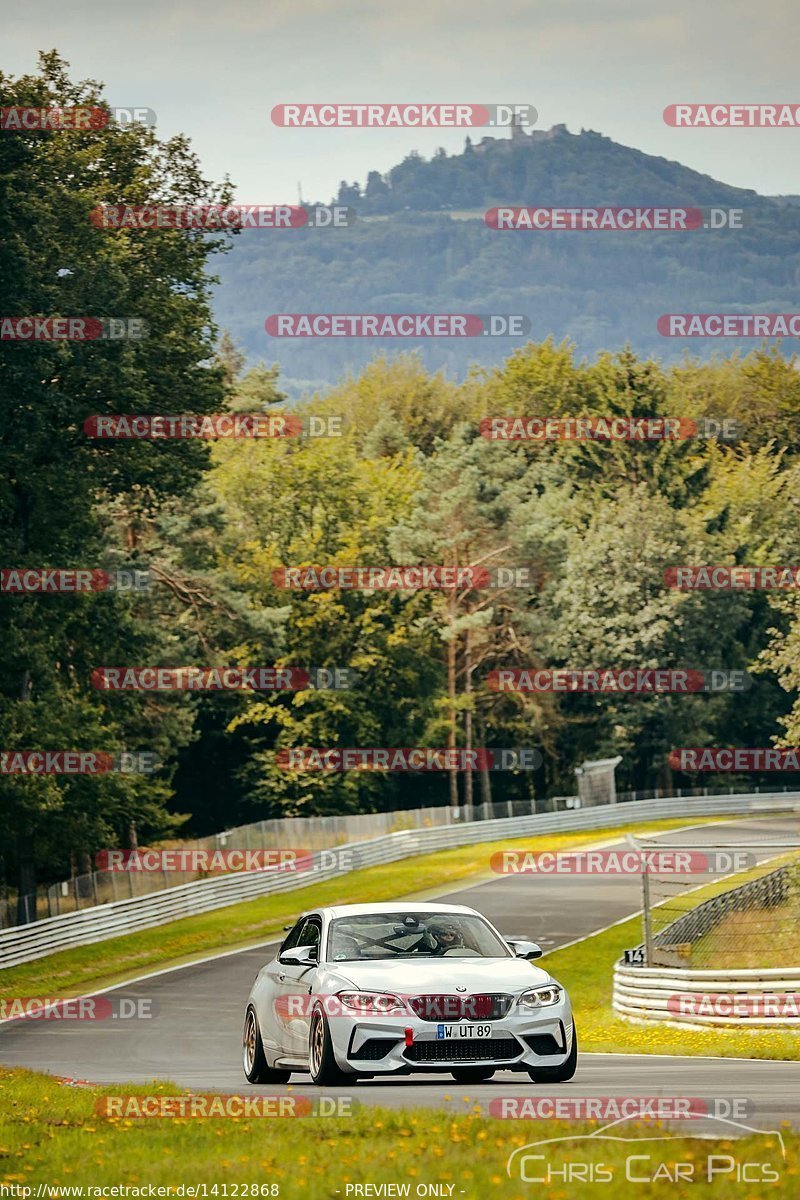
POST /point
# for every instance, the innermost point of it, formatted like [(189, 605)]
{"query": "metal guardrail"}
[(715, 996), (28, 942), (307, 833), (745, 999)]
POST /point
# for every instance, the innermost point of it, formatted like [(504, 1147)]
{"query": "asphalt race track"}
[(195, 1037)]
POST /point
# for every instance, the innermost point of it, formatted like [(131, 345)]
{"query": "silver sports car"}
[(393, 989)]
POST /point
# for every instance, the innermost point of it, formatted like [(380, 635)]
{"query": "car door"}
[(272, 1012), (293, 989)]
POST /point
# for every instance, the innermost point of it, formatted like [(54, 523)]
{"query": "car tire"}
[(558, 1074), (325, 1071), (254, 1060), (472, 1074)]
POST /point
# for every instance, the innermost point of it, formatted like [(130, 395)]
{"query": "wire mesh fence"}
[(734, 905), (309, 833), (301, 833)]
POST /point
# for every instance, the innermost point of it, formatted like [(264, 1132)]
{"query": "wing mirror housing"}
[(300, 956), (524, 949)]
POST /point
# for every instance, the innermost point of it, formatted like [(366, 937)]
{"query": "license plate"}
[(463, 1031)]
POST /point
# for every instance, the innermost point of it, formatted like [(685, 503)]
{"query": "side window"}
[(312, 933), (294, 937)]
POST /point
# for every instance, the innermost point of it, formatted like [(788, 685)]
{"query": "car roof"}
[(362, 910)]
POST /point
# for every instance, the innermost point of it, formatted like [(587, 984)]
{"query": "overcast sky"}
[(214, 71)]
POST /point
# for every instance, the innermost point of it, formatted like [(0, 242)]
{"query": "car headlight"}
[(371, 1003), (541, 997)]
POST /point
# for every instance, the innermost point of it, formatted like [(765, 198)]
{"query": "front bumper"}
[(518, 1042)]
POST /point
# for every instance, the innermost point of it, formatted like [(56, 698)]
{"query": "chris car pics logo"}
[(574, 1158)]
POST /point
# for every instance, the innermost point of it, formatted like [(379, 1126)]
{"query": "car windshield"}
[(412, 935)]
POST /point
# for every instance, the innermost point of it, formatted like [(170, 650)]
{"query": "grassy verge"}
[(756, 937), (586, 969), (253, 921), (51, 1134), (752, 938)]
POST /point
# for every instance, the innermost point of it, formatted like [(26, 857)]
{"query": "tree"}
[(325, 503), (66, 500), (464, 515)]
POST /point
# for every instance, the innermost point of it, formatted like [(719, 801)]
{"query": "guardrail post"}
[(646, 921)]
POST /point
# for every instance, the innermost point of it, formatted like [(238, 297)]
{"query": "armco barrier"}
[(753, 999), (27, 942)]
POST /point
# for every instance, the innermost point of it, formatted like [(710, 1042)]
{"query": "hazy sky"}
[(214, 71)]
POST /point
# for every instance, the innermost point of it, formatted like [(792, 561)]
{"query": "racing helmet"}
[(446, 932)]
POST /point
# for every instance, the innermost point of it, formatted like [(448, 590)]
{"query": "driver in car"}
[(446, 937)]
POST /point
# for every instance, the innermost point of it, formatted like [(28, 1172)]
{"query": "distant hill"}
[(420, 244)]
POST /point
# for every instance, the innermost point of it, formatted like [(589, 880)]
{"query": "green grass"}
[(51, 1134), (586, 970), (238, 925), (756, 937), (770, 922), (753, 938)]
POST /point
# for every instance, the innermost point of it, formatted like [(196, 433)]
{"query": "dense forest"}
[(410, 479)]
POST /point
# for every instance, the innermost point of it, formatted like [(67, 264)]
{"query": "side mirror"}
[(300, 956), (525, 949)]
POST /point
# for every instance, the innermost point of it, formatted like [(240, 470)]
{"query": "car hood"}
[(443, 975)]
